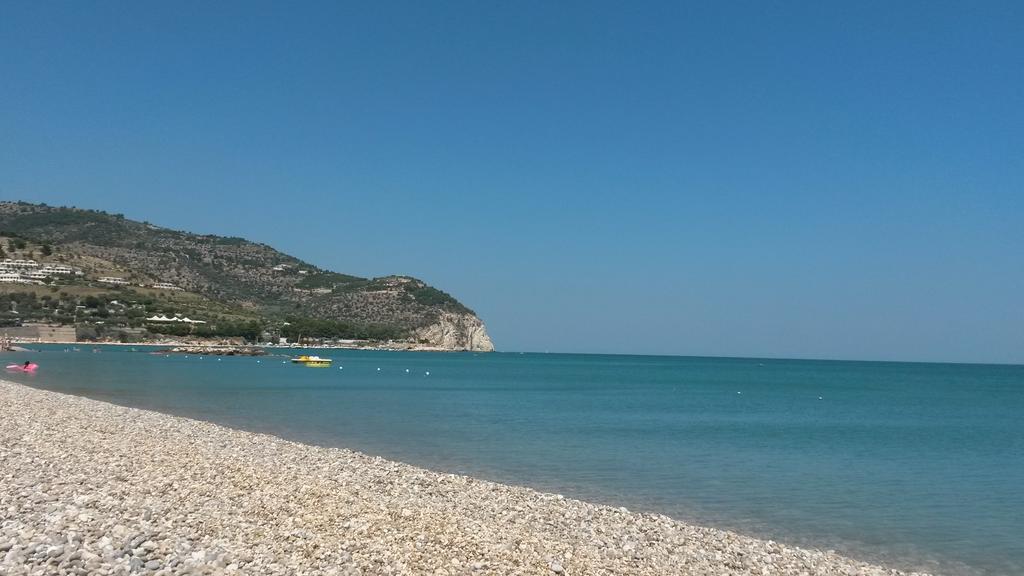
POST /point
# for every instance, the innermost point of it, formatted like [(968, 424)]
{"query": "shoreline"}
[(380, 348), (117, 490)]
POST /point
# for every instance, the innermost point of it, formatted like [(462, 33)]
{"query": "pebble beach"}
[(91, 488)]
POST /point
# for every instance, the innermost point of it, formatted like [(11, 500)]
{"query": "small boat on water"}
[(313, 361)]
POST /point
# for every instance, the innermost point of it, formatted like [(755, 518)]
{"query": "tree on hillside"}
[(47, 250)]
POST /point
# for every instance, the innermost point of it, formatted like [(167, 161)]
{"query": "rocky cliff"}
[(457, 332)]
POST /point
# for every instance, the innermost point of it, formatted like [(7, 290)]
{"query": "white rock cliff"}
[(457, 332)]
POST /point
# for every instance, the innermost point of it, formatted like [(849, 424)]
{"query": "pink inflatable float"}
[(26, 367)]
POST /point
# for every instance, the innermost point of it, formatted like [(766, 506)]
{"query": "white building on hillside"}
[(114, 280), (61, 269), (19, 263), (16, 278), (166, 286)]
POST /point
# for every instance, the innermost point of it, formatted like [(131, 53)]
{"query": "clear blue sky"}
[(816, 179)]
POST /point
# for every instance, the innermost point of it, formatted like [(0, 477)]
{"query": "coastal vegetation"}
[(116, 273)]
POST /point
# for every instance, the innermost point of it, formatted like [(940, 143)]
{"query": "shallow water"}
[(913, 465)]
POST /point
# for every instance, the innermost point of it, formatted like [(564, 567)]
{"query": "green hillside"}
[(236, 287)]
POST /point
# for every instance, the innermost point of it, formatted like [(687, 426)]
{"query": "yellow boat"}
[(313, 361)]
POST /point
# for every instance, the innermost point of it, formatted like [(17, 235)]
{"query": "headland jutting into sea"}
[(93, 488)]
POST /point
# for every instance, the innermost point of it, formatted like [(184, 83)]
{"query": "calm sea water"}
[(914, 465)]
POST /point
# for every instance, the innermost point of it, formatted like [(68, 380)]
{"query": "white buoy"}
[(819, 397), (407, 370), (739, 392), (378, 369), (428, 372)]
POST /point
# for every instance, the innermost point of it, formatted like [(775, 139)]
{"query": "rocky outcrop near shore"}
[(89, 488), (457, 332)]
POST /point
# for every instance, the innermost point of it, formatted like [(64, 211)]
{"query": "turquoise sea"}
[(913, 465)]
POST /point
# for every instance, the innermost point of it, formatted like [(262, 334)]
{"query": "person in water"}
[(26, 365)]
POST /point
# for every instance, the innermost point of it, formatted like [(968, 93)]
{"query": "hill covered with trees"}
[(225, 282)]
